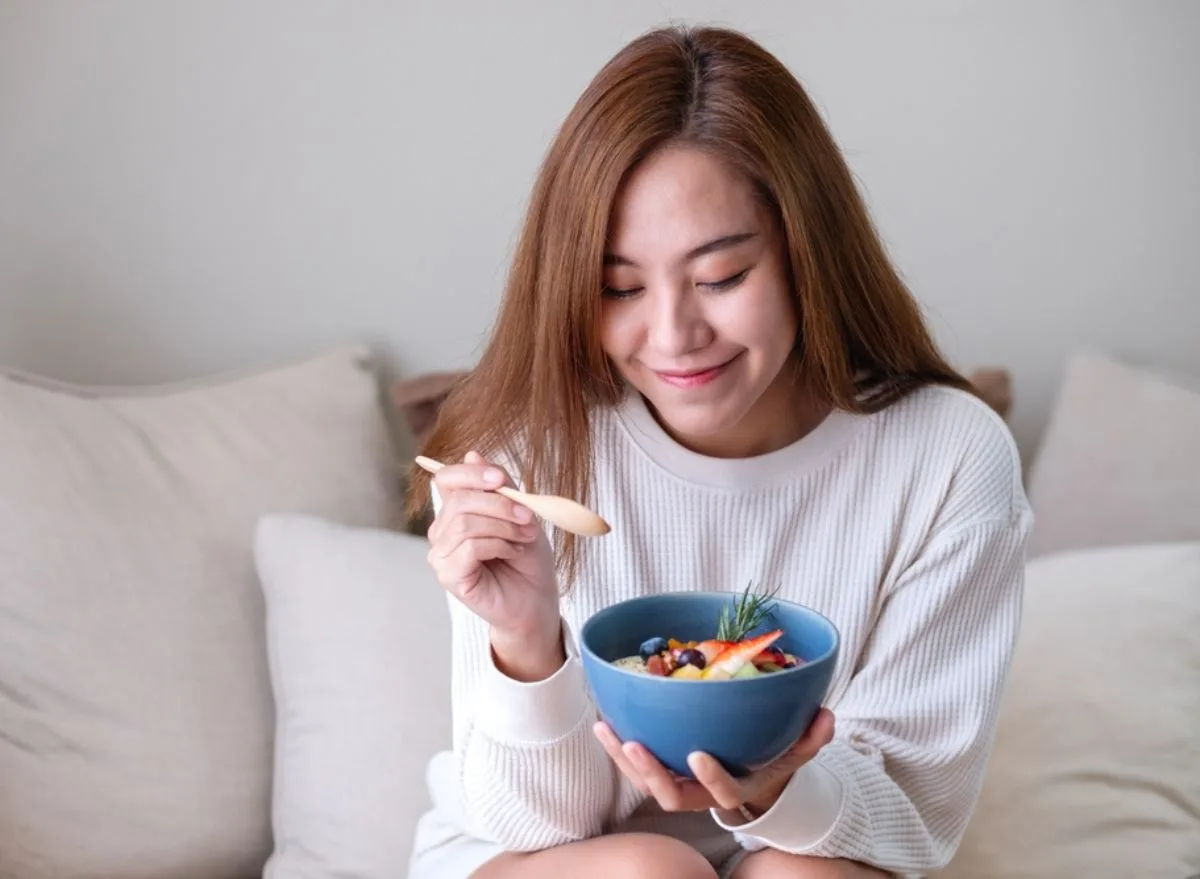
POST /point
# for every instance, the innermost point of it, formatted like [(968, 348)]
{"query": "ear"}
[(419, 400), (994, 385)]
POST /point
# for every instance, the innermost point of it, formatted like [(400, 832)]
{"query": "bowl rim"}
[(827, 656)]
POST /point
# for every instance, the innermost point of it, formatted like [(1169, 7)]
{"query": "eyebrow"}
[(725, 241)]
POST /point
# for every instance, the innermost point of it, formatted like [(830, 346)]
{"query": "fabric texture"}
[(135, 706), (1096, 765), (906, 528), (357, 635), (1118, 461)]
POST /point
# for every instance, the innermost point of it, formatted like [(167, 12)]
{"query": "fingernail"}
[(529, 531), (522, 514), (493, 477)]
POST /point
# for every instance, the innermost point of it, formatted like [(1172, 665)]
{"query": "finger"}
[(460, 570), (474, 472), (672, 795), (486, 503), (461, 526), (721, 786), (482, 503), (612, 746)]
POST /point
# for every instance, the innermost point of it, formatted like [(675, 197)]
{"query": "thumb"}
[(474, 458), (769, 782), (818, 735)]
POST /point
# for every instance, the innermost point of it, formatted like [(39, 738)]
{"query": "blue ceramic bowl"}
[(742, 722)]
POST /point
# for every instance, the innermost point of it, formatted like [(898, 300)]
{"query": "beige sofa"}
[(223, 658)]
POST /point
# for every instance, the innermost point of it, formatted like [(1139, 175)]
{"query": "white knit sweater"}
[(906, 528)]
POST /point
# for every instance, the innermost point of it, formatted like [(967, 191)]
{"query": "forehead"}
[(677, 199)]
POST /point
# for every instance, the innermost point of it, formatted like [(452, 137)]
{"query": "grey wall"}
[(188, 187)]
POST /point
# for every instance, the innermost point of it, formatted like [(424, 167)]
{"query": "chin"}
[(698, 420)]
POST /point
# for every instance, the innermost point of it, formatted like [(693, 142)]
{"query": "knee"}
[(772, 864), (648, 854), (604, 857)]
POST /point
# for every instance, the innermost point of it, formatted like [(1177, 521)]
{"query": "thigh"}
[(604, 857), (773, 864)]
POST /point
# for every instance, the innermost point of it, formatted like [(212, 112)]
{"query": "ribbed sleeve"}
[(526, 751)]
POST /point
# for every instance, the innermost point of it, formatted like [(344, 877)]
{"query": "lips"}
[(694, 378)]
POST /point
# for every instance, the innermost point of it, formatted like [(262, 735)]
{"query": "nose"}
[(676, 324)]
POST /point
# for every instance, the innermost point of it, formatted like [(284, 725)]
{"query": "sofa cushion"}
[(1120, 459), (136, 713), (359, 641), (1096, 766)]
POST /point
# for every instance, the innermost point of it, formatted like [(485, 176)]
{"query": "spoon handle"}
[(563, 512), (432, 466)]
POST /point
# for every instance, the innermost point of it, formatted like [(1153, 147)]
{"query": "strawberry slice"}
[(729, 661), (713, 649)]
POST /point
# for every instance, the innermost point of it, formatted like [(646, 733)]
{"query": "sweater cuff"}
[(511, 712), (800, 820)]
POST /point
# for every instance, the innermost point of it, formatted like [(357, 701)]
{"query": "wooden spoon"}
[(563, 512)]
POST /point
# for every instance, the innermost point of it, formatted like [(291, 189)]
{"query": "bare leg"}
[(604, 857), (772, 864)]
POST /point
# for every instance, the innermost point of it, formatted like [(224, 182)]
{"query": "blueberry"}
[(692, 657), (652, 646)]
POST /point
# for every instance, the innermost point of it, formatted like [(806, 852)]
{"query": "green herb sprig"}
[(748, 613)]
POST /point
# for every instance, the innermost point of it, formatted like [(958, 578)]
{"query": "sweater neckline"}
[(792, 461)]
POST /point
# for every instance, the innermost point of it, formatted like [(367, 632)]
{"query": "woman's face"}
[(697, 314)]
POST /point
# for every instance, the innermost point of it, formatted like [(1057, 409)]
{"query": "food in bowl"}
[(743, 722), (731, 654), (710, 660)]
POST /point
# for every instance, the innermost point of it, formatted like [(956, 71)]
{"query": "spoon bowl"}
[(563, 512)]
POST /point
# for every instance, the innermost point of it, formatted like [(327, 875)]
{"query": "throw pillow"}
[(358, 635), (1095, 769), (136, 717), (1118, 462)]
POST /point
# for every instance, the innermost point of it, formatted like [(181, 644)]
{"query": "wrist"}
[(761, 802), (529, 657)]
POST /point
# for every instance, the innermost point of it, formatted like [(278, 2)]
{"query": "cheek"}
[(615, 330), (778, 321), (763, 319)]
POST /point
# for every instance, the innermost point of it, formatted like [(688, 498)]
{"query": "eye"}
[(615, 293), (726, 283)]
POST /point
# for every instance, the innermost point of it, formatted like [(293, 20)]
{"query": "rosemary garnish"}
[(749, 613)]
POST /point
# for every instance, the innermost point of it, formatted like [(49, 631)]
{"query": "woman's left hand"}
[(714, 788)]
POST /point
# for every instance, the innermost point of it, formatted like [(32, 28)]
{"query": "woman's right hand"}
[(492, 555)]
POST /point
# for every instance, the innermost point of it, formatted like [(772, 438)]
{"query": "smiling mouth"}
[(696, 377)]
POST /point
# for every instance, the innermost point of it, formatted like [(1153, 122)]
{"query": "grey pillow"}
[(1120, 459)]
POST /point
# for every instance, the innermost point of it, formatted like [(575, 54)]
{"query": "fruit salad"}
[(731, 654)]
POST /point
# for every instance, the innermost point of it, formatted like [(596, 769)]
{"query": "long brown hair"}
[(863, 341)]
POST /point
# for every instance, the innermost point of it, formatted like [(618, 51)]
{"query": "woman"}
[(703, 338)]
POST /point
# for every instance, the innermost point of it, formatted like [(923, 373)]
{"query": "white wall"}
[(194, 186)]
